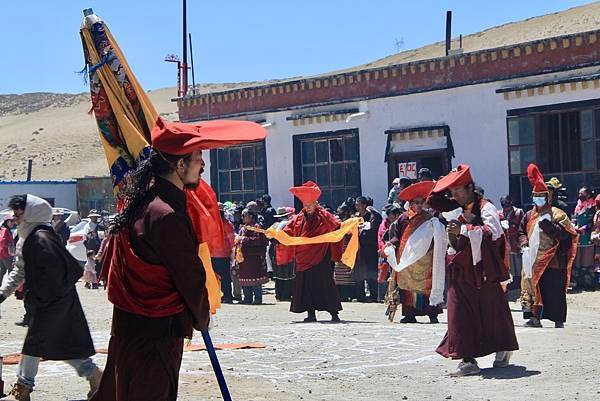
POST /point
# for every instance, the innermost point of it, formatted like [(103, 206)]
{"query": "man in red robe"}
[(156, 280), (479, 319), (418, 279), (549, 243), (314, 287)]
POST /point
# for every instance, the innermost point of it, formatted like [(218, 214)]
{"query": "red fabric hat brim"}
[(536, 179), (182, 139), (458, 177), (418, 190), (309, 192)]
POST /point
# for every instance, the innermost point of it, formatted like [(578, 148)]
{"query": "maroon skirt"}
[(314, 289), (479, 322)]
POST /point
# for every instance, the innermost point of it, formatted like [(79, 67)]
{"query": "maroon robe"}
[(314, 287), (144, 353), (479, 318)]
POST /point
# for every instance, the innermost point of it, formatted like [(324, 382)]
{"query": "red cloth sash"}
[(413, 223), (203, 210), (136, 286), (307, 256)]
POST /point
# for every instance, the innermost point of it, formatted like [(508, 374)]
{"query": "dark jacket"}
[(58, 329), (368, 257)]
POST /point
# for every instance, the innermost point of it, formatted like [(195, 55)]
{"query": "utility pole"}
[(184, 64)]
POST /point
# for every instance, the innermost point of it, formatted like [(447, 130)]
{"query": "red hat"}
[(418, 190), (459, 176), (536, 179), (183, 139), (309, 192)]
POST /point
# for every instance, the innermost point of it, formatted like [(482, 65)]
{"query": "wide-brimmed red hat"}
[(182, 139), (459, 176), (309, 192), (536, 179), (418, 190)]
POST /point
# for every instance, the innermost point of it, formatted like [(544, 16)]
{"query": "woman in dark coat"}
[(58, 329), (367, 259), (251, 253)]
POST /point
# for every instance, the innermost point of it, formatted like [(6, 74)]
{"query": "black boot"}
[(433, 319), (408, 319), (335, 318), (312, 317)]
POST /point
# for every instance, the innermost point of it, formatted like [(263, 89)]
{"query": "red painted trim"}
[(477, 67)]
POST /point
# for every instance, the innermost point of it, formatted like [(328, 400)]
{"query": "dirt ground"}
[(364, 358)]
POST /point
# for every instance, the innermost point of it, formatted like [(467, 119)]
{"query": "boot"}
[(94, 381), (312, 317), (559, 325), (19, 392), (24, 322), (533, 322), (335, 318), (433, 319), (408, 319)]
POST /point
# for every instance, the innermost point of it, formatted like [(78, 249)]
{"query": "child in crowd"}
[(89, 271)]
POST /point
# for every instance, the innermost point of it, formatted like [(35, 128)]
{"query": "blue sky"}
[(234, 40)]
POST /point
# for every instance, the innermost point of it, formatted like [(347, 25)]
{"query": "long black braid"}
[(139, 188)]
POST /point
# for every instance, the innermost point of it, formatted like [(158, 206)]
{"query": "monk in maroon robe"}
[(479, 318), (314, 287), (156, 281)]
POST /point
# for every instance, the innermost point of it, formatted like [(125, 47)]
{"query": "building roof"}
[(552, 42)]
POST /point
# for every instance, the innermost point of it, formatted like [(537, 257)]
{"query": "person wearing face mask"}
[(7, 245), (479, 318), (549, 244), (583, 276), (418, 273)]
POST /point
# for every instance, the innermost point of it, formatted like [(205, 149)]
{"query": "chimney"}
[(448, 31), (29, 168)]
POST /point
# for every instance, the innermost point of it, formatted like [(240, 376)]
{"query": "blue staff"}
[(216, 366)]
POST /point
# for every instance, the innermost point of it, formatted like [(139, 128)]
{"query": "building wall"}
[(95, 193), (63, 192), (476, 116)]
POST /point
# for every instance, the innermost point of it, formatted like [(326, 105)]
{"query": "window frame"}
[(243, 194), (585, 175), (299, 165)]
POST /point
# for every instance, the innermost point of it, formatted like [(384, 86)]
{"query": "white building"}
[(494, 105), (57, 193)]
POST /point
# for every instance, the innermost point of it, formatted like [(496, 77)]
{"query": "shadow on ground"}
[(510, 372)]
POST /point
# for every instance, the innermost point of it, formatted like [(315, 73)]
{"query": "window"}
[(564, 143), (330, 159), (521, 141), (239, 173)]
